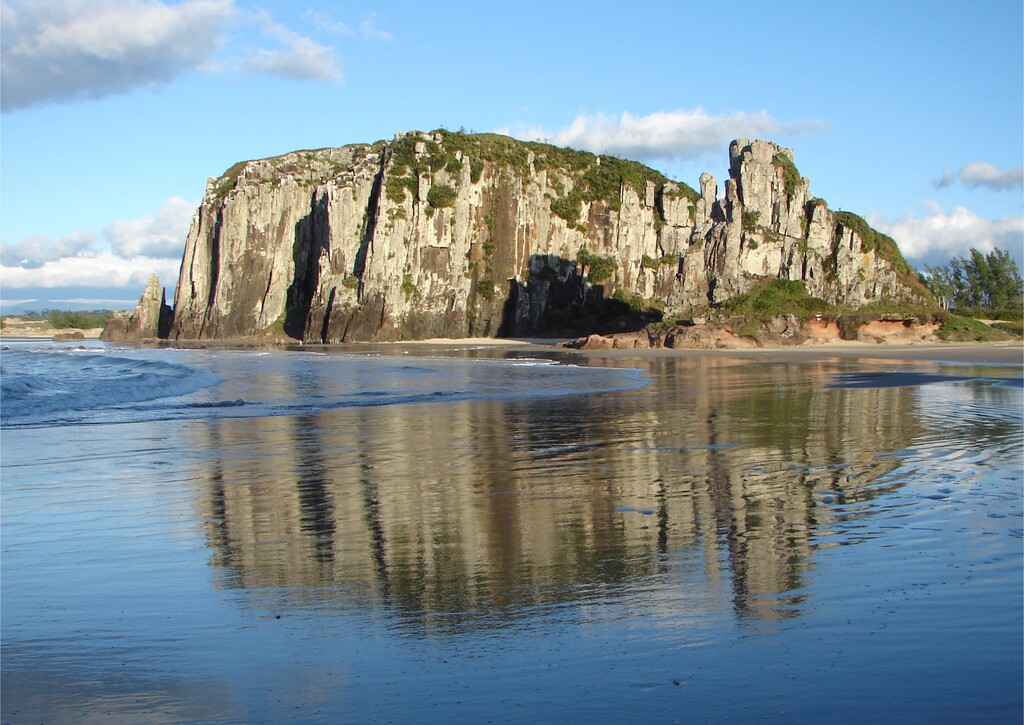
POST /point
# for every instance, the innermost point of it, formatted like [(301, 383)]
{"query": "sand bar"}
[(993, 352)]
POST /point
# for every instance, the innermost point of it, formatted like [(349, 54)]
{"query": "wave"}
[(37, 385), (61, 387)]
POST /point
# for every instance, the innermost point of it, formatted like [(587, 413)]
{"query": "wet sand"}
[(995, 352), (740, 539), (1010, 353), (999, 352)]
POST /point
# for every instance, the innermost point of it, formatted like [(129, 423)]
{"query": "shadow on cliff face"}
[(312, 240), (557, 301)]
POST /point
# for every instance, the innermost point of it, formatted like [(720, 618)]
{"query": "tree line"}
[(68, 319), (989, 282)]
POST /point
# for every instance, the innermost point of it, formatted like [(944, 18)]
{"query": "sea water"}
[(87, 385), (415, 534)]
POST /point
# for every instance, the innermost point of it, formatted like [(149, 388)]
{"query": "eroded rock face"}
[(454, 235), (783, 331), (151, 318)]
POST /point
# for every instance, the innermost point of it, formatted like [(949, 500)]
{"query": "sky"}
[(113, 113)]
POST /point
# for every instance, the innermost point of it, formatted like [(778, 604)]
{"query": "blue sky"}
[(115, 112)]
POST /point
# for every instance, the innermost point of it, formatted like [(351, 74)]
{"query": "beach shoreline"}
[(1008, 352), (989, 352), (50, 333)]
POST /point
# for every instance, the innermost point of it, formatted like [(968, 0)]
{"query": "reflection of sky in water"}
[(734, 541)]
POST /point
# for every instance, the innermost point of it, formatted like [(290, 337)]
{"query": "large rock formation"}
[(151, 318), (454, 235)]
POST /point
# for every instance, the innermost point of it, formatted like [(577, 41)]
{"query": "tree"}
[(990, 282)]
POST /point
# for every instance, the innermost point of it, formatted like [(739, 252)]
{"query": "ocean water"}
[(423, 534)]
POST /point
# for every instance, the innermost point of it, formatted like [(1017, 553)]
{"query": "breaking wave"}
[(52, 387), (45, 387)]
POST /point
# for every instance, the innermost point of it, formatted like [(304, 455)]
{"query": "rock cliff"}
[(151, 318), (449, 234)]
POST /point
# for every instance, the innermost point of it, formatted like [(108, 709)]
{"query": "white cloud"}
[(300, 57), (70, 50), (138, 247), (367, 26), (945, 181), (102, 269), (66, 50), (36, 250), (982, 175), (681, 134), (985, 175), (370, 31), (327, 23), (156, 235), (934, 232)]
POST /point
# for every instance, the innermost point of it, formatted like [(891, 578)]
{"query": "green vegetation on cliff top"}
[(775, 298), (594, 177), (780, 297), (790, 176), (441, 195), (872, 240)]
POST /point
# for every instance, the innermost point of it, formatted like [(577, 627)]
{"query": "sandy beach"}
[(40, 330), (469, 341), (896, 349), (1010, 352)]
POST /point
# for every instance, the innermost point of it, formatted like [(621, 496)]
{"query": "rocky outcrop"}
[(69, 336), (769, 226), (451, 235), (785, 330), (151, 318)]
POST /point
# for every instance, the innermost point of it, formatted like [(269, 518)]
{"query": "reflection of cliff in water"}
[(725, 475)]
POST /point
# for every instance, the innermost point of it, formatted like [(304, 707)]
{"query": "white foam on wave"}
[(42, 384), (42, 388)]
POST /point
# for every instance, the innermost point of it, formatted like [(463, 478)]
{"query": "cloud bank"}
[(157, 235), (298, 57), (66, 50), (982, 175), (137, 248), (101, 269), (37, 250), (60, 51), (666, 135), (369, 30), (932, 233)]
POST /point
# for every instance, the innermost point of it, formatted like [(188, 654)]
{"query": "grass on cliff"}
[(790, 175), (228, 180), (775, 298), (595, 178), (872, 240), (1014, 328), (603, 181), (276, 328), (779, 297), (441, 195), (601, 268), (965, 329)]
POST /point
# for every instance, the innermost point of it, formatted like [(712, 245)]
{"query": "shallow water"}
[(495, 537)]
